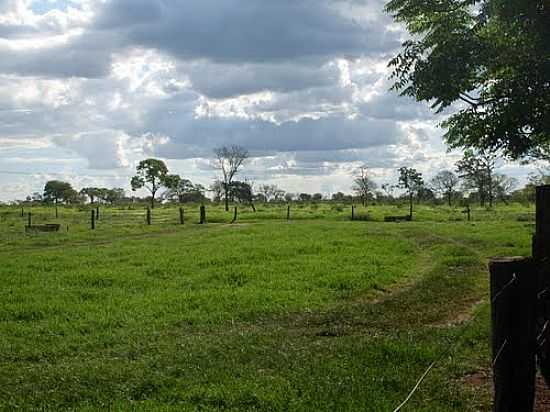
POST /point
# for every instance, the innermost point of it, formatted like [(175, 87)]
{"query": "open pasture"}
[(319, 313)]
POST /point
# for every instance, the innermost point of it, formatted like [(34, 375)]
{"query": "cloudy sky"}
[(90, 87)]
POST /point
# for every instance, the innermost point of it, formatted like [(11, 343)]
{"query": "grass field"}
[(316, 314)]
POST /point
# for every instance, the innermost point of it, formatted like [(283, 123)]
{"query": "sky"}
[(88, 88)]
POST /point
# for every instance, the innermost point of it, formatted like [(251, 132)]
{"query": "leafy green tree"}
[(151, 174), (113, 196), (57, 191), (92, 192), (410, 180), (476, 168), (490, 56), (304, 197)]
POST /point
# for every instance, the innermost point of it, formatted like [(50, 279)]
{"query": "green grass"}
[(313, 314)]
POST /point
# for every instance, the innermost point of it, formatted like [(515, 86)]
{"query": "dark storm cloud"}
[(197, 137), (220, 81), (242, 30)]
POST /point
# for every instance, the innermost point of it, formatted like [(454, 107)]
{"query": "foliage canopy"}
[(489, 60)]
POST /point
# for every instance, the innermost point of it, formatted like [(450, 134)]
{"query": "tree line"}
[(473, 180)]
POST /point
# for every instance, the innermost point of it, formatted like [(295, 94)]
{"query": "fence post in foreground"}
[(22, 212), (56, 212), (148, 216), (203, 215), (29, 219), (97, 213), (513, 315), (288, 213), (235, 212), (541, 239), (182, 221), (352, 212), (93, 219)]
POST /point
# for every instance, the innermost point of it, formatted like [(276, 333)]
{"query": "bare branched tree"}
[(229, 160), (363, 185), (446, 183)]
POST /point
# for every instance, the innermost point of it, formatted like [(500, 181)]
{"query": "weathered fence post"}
[(29, 219), (22, 212), (288, 213), (235, 212), (148, 216), (97, 213), (513, 314), (56, 212), (468, 212), (515, 307), (92, 221), (182, 221), (203, 215), (541, 239), (352, 212)]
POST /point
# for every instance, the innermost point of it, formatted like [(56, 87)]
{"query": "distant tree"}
[(57, 191), (151, 174), (476, 168), (338, 197), (410, 180), (229, 160), (363, 185), (217, 189), (92, 192), (504, 186), (243, 192), (446, 183), (425, 194), (289, 197), (389, 190), (317, 197), (179, 188), (36, 197), (115, 195), (304, 197), (266, 191), (271, 192)]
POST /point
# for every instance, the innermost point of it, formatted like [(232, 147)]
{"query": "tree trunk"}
[(153, 200), (449, 195), (226, 191)]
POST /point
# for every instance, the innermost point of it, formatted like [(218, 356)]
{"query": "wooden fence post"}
[(352, 212), (22, 212), (288, 213), (97, 213), (468, 212), (92, 221), (182, 221), (541, 239), (56, 212), (29, 219), (513, 314), (515, 307), (235, 212), (148, 216), (203, 215)]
